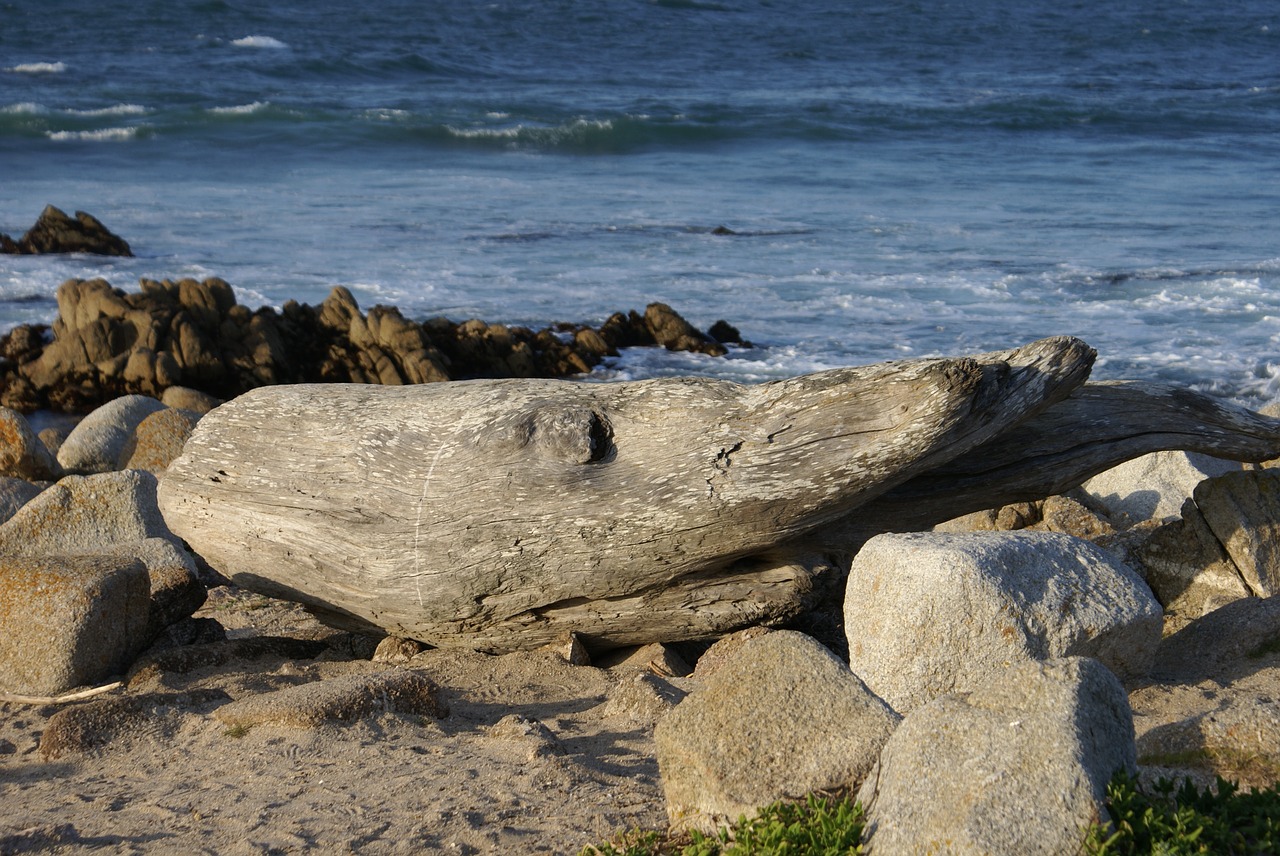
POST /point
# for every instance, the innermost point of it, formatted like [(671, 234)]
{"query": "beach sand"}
[(570, 768), (534, 755)]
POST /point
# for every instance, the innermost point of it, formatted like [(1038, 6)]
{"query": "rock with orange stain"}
[(22, 454), (69, 621)]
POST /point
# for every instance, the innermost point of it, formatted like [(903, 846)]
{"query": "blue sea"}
[(903, 179)]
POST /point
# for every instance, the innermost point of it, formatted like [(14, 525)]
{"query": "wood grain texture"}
[(1097, 427), (503, 514)]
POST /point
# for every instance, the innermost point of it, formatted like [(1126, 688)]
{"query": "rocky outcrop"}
[(1018, 765), (107, 343), (55, 232), (927, 614)]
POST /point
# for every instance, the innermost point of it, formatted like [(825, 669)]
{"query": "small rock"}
[(1018, 765), (643, 698), (93, 725), (22, 454), (185, 398), (1186, 567), (571, 649), (396, 651), (782, 719), (676, 334), (96, 443), (656, 658), (1153, 486), (726, 334), (1069, 516), (15, 493), (158, 440), (541, 740), (343, 699)]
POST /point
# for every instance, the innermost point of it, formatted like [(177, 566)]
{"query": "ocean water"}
[(903, 179)]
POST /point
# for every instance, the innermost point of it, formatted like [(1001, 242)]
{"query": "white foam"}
[(39, 68), (259, 42), (115, 110), (103, 135), (534, 132), (25, 108), (241, 109), (482, 133)]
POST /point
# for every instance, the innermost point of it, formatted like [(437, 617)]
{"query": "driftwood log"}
[(504, 514)]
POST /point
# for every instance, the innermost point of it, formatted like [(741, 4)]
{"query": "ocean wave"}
[(241, 109), (115, 110), (259, 42), (26, 108), (101, 135), (38, 68), (580, 135)]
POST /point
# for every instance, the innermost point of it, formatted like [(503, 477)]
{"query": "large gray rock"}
[(1243, 511), (69, 621), (94, 446), (22, 454), (931, 613), (1018, 765), (82, 515), (782, 718), (110, 515), (1154, 486)]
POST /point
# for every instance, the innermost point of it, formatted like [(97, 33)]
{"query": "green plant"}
[(819, 825), (237, 731), (1172, 820)]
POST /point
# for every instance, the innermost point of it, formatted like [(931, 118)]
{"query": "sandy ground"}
[(572, 769), (535, 755)]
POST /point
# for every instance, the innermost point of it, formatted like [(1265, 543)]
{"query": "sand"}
[(532, 757)]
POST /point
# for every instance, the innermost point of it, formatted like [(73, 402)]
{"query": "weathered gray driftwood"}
[(1096, 427), (502, 514)]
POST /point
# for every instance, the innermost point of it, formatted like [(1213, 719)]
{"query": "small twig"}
[(62, 699)]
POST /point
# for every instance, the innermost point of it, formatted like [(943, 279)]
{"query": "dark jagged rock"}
[(727, 334), (107, 343), (55, 232), (676, 334)]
